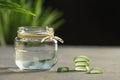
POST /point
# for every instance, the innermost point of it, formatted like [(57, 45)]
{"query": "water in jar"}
[(31, 54)]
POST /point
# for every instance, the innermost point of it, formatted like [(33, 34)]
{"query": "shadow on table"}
[(70, 71), (15, 70)]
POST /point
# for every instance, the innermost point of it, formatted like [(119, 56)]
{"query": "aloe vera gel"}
[(35, 49)]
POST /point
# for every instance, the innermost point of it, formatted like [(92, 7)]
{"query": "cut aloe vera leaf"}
[(85, 57), (80, 59), (81, 69), (81, 64), (96, 71), (63, 69)]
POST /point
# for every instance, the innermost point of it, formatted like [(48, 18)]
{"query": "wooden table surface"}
[(106, 58)]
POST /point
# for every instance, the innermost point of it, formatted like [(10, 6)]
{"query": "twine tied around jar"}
[(50, 35), (43, 37)]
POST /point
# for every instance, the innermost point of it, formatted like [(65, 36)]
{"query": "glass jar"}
[(31, 53)]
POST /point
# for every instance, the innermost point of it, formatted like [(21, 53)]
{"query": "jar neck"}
[(33, 32)]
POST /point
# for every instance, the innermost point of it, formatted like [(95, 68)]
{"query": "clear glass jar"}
[(31, 53)]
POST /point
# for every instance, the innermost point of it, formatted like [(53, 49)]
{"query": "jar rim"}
[(33, 30)]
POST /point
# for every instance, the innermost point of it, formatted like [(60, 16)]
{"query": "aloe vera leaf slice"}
[(63, 69), (80, 59), (82, 63), (81, 69), (85, 57), (96, 71)]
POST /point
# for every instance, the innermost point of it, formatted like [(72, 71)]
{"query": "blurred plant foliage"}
[(35, 14)]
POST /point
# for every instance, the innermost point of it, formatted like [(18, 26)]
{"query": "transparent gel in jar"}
[(31, 53)]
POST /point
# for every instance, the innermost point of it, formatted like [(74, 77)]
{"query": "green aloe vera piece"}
[(85, 57), (81, 59), (96, 71), (81, 69), (63, 69), (81, 64)]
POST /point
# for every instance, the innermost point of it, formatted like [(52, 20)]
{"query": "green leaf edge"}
[(15, 7)]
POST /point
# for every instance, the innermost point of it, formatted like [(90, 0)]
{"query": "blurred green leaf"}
[(2, 38), (21, 10), (38, 11), (8, 4), (58, 23), (15, 7), (52, 16)]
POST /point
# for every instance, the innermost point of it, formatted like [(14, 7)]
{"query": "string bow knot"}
[(50, 35)]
